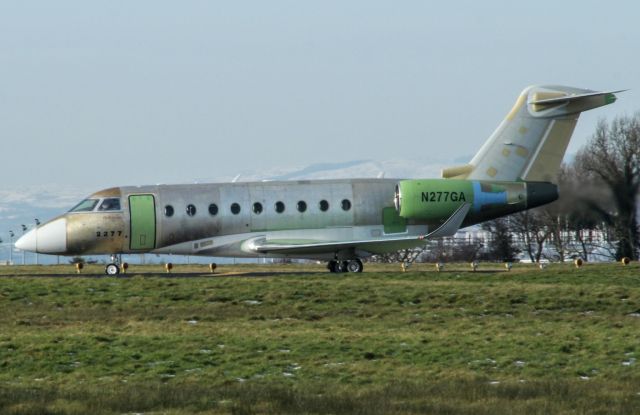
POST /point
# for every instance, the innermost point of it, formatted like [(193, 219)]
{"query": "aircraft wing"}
[(375, 246), (291, 247)]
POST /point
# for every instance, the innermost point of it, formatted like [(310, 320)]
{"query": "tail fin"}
[(531, 141)]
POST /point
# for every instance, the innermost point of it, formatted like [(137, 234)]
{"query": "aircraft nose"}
[(50, 238)]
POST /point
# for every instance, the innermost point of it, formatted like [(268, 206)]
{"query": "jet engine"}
[(435, 200)]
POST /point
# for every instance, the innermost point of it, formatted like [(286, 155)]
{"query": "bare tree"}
[(452, 249), (612, 159), (582, 224), (531, 230), (401, 256)]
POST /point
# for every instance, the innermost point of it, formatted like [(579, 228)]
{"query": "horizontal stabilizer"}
[(569, 98)]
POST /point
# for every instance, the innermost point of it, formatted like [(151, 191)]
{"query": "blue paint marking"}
[(481, 198)]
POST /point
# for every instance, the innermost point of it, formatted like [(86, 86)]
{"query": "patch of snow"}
[(195, 369), (252, 302), (629, 362)]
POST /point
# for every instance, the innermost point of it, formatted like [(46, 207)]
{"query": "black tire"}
[(334, 266), (112, 269), (355, 265)]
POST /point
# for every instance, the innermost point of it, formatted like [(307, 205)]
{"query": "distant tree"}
[(501, 245), (465, 250), (450, 249), (401, 256), (530, 227), (576, 217), (611, 159)]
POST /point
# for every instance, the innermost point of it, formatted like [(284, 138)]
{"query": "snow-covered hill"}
[(396, 168)]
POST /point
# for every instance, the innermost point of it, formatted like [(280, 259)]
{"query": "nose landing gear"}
[(354, 265), (113, 268)]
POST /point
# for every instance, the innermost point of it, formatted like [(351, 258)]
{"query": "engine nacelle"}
[(435, 200)]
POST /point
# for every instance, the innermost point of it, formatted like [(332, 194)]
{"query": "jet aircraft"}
[(340, 221)]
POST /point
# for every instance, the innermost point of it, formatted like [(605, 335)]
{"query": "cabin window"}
[(323, 205), (302, 206), (111, 203), (257, 208), (346, 204), (235, 208), (86, 205), (191, 210), (279, 207), (213, 209), (168, 211)]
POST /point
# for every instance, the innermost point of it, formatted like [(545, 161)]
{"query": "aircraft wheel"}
[(112, 269), (334, 266), (355, 265)]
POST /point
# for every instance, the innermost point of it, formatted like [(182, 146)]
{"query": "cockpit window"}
[(112, 203), (86, 205)]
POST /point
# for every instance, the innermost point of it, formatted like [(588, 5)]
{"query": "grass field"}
[(297, 340)]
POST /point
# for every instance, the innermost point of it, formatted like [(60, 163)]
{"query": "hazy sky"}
[(141, 92)]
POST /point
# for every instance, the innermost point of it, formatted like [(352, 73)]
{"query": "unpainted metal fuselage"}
[(224, 219), (354, 211)]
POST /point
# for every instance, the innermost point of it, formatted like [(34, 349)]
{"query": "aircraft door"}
[(142, 212)]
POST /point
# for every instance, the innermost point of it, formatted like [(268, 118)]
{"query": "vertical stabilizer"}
[(531, 141)]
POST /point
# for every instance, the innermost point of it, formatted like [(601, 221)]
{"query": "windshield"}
[(86, 205), (112, 203)]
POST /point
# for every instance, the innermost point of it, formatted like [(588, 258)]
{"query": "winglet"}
[(452, 224)]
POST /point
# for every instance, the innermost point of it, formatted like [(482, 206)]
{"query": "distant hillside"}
[(397, 168)]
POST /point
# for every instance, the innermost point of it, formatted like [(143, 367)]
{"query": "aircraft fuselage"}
[(223, 219)]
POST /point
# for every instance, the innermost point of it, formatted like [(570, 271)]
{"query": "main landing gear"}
[(354, 265), (113, 268)]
